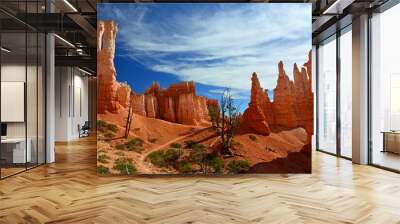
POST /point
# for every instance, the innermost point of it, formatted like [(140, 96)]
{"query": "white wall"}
[(71, 102)]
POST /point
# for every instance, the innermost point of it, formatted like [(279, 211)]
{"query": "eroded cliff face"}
[(292, 105), (111, 95), (254, 119), (178, 103)]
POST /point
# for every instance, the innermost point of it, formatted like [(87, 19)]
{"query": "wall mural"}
[(204, 89)]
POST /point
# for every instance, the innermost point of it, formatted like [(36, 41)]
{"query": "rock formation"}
[(292, 105), (284, 101), (178, 103), (254, 118), (111, 95)]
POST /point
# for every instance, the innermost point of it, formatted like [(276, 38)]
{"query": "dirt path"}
[(146, 167)]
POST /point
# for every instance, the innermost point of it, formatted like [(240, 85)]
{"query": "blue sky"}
[(215, 45)]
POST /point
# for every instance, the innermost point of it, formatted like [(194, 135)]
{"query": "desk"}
[(391, 141), (15, 148)]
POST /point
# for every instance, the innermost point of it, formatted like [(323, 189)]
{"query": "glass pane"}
[(31, 98), (41, 99), (346, 94), (386, 89), (327, 96), (13, 86)]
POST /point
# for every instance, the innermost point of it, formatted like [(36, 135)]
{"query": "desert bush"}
[(185, 167), (253, 138), (162, 158), (171, 156), (102, 170), (136, 142), (199, 152), (132, 145), (189, 144), (157, 158), (109, 135), (176, 145), (124, 166), (112, 127), (103, 126), (103, 158), (238, 166), (217, 164)]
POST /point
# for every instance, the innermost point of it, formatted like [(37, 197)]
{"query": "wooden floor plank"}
[(69, 191)]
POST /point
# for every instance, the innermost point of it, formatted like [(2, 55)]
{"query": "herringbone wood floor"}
[(69, 191)]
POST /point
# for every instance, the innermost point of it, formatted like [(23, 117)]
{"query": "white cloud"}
[(236, 94), (219, 47)]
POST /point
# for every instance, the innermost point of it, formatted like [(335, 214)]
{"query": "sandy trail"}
[(146, 167)]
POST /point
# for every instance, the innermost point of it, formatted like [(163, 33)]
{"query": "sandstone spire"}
[(253, 117)]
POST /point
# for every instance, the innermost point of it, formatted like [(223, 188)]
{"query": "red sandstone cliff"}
[(111, 95), (292, 105), (178, 103), (254, 118)]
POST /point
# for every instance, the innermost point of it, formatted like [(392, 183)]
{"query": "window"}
[(385, 89), (346, 93), (327, 96)]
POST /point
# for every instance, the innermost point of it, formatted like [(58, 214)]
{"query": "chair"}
[(84, 130)]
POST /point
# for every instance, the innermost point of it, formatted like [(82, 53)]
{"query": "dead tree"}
[(230, 118), (213, 112), (130, 116)]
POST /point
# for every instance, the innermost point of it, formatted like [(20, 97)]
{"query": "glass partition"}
[(346, 93), (385, 89), (327, 95), (22, 88), (13, 92)]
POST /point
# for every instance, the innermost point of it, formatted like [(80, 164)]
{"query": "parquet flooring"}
[(69, 191)]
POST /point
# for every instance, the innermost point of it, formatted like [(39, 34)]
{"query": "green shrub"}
[(253, 138), (171, 156), (132, 145), (176, 145), (157, 158), (135, 142), (185, 167), (217, 164), (162, 158), (189, 144), (199, 153), (109, 135), (112, 127), (238, 166), (124, 166), (103, 158), (103, 126), (102, 170)]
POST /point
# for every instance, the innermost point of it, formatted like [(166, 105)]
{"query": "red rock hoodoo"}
[(292, 105), (111, 95), (178, 103), (254, 118)]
